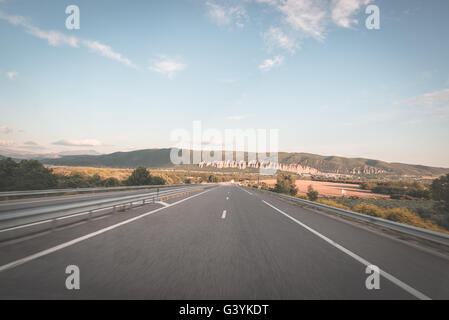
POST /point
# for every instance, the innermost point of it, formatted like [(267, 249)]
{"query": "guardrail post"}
[(114, 209)]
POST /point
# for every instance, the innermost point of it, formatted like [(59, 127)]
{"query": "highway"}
[(225, 242), (34, 203)]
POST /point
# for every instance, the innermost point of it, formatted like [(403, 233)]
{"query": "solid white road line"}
[(224, 214), (386, 275), (90, 235)]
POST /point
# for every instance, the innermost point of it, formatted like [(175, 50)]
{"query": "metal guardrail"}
[(422, 233), (52, 216), (6, 194)]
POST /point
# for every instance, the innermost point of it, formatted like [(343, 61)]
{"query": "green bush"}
[(285, 183), (311, 193)]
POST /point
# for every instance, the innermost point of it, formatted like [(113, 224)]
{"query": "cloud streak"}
[(343, 11), (269, 64), (12, 75), (222, 15), (434, 104), (167, 66), (276, 38), (298, 19), (79, 143), (107, 52), (56, 38)]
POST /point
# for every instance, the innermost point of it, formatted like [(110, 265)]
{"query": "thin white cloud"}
[(312, 17), (430, 99), (237, 117), (343, 11), (5, 130), (307, 16), (269, 64), (298, 19), (12, 75), (276, 38), (222, 15), (239, 24), (433, 105), (31, 145), (167, 66), (56, 38), (79, 143), (107, 51)]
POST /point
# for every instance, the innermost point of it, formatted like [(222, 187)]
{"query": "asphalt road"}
[(222, 243)]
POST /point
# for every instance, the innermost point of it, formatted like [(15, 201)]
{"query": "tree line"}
[(33, 175)]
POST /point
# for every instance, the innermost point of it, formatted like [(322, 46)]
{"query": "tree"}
[(311, 193), (8, 169), (439, 190), (139, 177), (157, 180), (212, 178), (74, 180), (95, 181), (25, 175), (111, 182), (285, 183)]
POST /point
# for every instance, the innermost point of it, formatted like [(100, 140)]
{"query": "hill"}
[(149, 157), (288, 161), (358, 166)]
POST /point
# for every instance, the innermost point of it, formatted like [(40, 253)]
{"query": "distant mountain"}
[(131, 159), (305, 163), (79, 152), (358, 166)]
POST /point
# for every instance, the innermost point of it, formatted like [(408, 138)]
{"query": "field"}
[(331, 189), (104, 173), (171, 176)]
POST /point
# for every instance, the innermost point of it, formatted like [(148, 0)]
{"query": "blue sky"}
[(137, 70)]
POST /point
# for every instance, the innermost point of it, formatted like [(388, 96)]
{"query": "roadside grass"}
[(418, 213)]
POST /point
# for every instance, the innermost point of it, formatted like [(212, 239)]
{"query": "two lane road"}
[(227, 242)]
